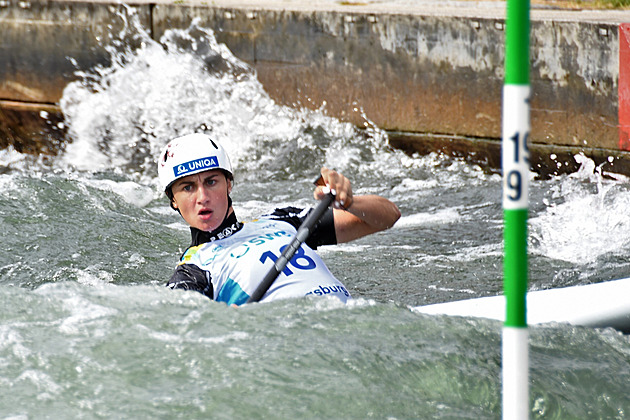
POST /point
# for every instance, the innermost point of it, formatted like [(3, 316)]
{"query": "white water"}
[(88, 330)]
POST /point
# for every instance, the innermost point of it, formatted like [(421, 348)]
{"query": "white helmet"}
[(189, 155)]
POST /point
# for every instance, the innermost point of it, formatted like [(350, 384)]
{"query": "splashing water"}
[(153, 94), (87, 328), (587, 217), (122, 115)]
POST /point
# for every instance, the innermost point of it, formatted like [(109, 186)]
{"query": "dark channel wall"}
[(432, 79)]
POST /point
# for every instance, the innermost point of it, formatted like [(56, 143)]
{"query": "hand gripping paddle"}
[(305, 230)]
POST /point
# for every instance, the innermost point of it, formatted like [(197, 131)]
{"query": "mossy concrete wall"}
[(430, 75)]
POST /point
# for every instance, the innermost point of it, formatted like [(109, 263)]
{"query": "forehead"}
[(199, 176)]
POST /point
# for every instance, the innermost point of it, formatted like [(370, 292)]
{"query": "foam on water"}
[(132, 192), (125, 113), (88, 330), (10, 157), (443, 216), (121, 116), (586, 217)]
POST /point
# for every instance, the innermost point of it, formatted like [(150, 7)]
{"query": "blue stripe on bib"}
[(231, 293)]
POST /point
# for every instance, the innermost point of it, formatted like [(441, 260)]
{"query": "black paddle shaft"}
[(305, 230)]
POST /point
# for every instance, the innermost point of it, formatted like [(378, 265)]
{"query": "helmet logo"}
[(196, 165)]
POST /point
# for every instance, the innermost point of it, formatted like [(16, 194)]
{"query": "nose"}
[(203, 196)]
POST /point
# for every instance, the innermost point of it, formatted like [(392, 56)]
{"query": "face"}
[(202, 199)]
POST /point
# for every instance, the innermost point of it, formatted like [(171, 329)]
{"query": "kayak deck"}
[(599, 305)]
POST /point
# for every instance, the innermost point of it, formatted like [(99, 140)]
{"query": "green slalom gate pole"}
[(515, 163)]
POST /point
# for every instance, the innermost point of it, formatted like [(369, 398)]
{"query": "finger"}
[(331, 177), (319, 193), (344, 192), (344, 202), (339, 185)]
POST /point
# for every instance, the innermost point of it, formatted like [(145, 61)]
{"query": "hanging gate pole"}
[(515, 163)]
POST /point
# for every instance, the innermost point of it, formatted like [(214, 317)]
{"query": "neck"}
[(229, 226)]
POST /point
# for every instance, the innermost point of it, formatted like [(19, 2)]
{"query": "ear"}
[(174, 204), (229, 188)]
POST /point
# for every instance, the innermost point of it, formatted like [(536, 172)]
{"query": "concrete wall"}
[(433, 80), (42, 44)]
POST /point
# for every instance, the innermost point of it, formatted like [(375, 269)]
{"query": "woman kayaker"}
[(228, 259)]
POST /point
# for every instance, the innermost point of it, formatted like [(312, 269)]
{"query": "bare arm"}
[(358, 216)]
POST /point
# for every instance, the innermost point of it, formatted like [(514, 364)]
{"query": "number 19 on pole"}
[(515, 153)]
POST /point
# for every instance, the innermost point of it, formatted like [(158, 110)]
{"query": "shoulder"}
[(191, 277), (292, 215), (190, 254), (323, 232)]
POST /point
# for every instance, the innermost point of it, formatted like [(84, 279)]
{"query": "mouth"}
[(205, 214)]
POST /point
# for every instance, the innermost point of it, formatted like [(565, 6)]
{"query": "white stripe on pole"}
[(515, 350), (515, 153)]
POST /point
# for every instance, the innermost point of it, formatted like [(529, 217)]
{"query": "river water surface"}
[(88, 330)]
